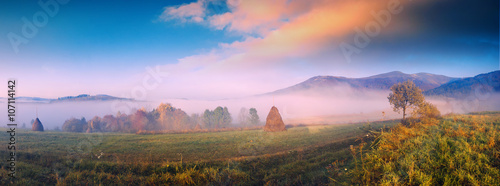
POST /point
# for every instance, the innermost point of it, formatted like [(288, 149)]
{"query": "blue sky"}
[(103, 31), (217, 49)]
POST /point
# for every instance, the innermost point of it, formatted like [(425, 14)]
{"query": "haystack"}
[(197, 127), (274, 123), (37, 125)]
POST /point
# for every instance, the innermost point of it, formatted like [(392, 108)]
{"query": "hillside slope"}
[(480, 84), (384, 81)]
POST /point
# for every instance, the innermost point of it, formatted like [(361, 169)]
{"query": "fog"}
[(332, 106), (472, 103), (54, 114), (338, 105)]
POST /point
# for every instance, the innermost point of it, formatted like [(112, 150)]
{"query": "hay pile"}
[(37, 125), (274, 123), (197, 127)]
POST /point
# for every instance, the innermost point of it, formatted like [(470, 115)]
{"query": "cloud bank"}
[(278, 39)]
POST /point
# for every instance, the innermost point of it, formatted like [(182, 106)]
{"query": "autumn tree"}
[(124, 122), (168, 117), (111, 123), (164, 117), (75, 125), (404, 96), (94, 125), (254, 117), (243, 117), (139, 120)]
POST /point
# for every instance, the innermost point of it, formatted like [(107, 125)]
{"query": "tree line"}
[(163, 118)]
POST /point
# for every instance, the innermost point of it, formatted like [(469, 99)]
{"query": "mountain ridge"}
[(81, 97), (384, 81), (480, 84)]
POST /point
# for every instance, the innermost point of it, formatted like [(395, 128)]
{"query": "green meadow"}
[(300, 154), (455, 149)]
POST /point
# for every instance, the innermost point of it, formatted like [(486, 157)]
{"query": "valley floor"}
[(250, 156), (302, 155)]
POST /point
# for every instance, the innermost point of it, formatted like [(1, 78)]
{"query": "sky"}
[(214, 49)]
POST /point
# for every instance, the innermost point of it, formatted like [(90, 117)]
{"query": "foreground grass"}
[(298, 156), (456, 150), (190, 147)]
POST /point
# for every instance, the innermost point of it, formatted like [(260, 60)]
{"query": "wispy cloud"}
[(194, 12), (275, 32), (248, 17)]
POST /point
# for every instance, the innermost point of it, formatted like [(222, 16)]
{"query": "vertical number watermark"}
[(11, 125)]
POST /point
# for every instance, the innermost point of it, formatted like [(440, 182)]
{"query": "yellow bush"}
[(427, 110)]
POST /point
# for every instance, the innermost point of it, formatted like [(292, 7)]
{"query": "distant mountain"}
[(482, 83), (86, 97), (81, 97), (384, 81), (32, 99)]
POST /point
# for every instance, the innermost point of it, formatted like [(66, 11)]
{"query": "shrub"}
[(427, 110)]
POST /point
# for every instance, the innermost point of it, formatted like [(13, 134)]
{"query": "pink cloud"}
[(190, 12), (282, 30), (258, 16)]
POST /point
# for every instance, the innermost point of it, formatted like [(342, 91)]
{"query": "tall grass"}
[(456, 150)]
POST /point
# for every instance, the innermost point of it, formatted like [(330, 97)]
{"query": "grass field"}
[(455, 150), (259, 155), (302, 155), (192, 147)]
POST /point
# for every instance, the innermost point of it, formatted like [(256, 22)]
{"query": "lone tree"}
[(405, 95), (254, 119)]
